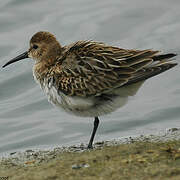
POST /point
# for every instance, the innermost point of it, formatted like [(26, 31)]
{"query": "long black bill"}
[(18, 58)]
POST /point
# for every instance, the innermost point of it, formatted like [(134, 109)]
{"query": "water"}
[(27, 120)]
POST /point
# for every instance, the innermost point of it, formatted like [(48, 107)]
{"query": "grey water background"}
[(28, 121)]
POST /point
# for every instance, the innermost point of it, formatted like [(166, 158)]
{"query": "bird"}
[(89, 78)]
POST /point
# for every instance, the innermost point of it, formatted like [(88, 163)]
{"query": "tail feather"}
[(163, 56), (163, 64)]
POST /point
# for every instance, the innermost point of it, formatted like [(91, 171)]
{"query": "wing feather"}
[(90, 68)]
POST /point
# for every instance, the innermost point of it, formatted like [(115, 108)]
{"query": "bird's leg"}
[(96, 123)]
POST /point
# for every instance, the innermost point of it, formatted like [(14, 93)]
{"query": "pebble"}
[(79, 166)]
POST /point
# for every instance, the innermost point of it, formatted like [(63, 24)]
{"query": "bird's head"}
[(43, 48)]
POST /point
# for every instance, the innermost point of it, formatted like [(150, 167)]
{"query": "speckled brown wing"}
[(89, 68)]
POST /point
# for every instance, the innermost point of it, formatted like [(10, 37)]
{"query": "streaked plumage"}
[(89, 78)]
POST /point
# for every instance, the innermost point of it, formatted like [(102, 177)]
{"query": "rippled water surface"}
[(27, 120)]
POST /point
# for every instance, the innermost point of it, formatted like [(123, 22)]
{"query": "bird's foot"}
[(89, 146)]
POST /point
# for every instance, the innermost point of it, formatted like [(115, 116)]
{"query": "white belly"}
[(90, 106), (79, 106)]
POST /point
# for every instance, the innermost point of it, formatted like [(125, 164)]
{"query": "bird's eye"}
[(35, 46)]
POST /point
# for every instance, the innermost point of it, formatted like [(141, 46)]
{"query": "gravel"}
[(33, 157)]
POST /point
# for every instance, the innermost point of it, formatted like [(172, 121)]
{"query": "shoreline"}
[(21, 157), (30, 159)]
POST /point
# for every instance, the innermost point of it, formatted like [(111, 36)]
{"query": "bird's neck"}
[(42, 68), (41, 71)]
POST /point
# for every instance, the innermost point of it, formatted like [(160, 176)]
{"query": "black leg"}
[(96, 123)]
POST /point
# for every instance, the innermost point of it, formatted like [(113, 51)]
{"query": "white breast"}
[(81, 106), (70, 104)]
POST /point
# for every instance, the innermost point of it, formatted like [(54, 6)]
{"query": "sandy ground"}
[(133, 158), (34, 157)]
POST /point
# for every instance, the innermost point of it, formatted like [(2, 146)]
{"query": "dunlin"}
[(89, 78)]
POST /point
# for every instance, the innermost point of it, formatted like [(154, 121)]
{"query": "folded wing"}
[(90, 68)]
